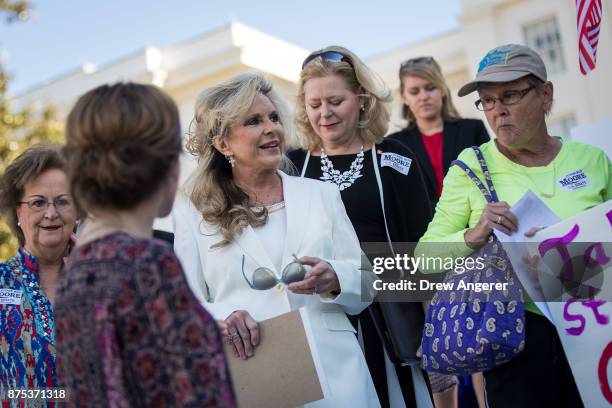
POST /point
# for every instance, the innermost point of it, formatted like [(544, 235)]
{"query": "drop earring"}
[(19, 223), (363, 108), (230, 159)]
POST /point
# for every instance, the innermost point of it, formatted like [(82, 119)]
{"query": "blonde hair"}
[(428, 69), (213, 190), (373, 121)]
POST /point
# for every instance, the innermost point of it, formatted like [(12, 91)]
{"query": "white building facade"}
[(548, 26)]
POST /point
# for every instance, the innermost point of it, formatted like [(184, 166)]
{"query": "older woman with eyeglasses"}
[(341, 119), (515, 94), (36, 203), (245, 223)]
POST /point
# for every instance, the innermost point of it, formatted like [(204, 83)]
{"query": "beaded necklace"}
[(26, 272), (345, 179)]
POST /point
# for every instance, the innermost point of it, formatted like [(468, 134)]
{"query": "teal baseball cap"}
[(506, 63)]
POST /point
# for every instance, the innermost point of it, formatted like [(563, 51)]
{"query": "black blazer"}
[(458, 135)]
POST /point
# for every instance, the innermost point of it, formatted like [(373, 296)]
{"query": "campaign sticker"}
[(574, 181), (10, 297), (396, 162)]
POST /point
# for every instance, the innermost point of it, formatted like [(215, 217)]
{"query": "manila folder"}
[(284, 370)]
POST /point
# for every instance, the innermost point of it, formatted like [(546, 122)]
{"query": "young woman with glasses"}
[(434, 131), (341, 119), (257, 243)]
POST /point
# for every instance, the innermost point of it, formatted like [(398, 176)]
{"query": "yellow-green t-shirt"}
[(579, 177)]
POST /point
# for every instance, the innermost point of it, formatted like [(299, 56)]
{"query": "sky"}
[(62, 35)]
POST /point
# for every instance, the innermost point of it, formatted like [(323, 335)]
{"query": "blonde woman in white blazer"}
[(241, 214)]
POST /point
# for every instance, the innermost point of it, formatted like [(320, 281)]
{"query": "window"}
[(562, 126), (545, 38)]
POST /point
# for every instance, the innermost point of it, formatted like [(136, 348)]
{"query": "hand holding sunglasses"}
[(321, 278)]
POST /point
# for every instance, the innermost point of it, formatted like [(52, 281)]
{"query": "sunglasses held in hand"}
[(264, 279)]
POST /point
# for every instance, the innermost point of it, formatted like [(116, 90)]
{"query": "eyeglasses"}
[(61, 204), (418, 60), (328, 56), (487, 103), (264, 278)]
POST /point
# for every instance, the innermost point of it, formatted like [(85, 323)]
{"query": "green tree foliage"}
[(20, 129), (15, 10)]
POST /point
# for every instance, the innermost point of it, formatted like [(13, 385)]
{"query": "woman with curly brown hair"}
[(35, 201)]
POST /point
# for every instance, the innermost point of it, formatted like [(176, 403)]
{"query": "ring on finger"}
[(499, 218)]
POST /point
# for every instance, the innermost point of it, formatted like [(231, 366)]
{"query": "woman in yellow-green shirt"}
[(569, 177)]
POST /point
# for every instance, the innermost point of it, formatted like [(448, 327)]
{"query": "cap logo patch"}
[(495, 57)]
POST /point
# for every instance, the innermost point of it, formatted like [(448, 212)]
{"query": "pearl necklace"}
[(345, 179)]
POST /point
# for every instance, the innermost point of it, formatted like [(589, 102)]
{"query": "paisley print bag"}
[(467, 330)]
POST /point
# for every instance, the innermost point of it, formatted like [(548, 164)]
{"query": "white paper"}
[(584, 326), (530, 212)]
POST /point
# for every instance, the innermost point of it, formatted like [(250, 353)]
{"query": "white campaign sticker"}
[(10, 297), (396, 162), (574, 180)]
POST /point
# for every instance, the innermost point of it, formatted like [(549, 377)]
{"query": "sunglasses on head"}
[(418, 60), (328, 56)]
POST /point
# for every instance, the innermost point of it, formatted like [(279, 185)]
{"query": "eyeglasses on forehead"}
[(418, 60), (334, 56)]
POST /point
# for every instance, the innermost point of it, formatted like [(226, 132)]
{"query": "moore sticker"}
[(396, 162), (574, 180)]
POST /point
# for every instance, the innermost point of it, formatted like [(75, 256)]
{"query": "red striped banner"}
[(588, 17)]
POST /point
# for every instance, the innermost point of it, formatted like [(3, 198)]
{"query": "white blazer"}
[(317, 225)]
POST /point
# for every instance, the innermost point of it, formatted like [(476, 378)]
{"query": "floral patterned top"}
[(130, 332), (27, 341)]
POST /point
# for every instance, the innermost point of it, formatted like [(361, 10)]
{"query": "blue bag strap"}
[(490, 194)]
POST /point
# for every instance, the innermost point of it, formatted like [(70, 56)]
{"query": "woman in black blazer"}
[(435, 132)]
